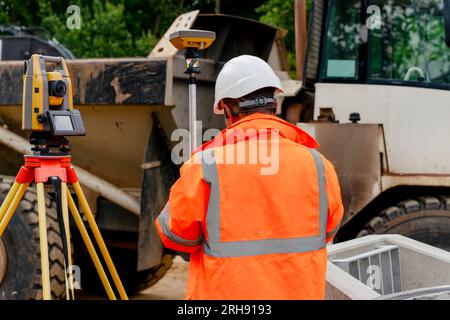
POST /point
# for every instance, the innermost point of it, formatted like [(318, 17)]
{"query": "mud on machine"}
[(47, 112)]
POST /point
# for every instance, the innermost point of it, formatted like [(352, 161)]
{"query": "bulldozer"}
[(375, 92), (130, 108), (375, 78)]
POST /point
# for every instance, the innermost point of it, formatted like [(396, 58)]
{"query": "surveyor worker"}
[(253, 231)]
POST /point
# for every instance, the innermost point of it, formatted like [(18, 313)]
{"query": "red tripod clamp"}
[(41, 168)]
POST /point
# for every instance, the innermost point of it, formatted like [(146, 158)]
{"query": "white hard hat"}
[(243, 75)]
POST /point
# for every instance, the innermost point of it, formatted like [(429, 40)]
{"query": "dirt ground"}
[(171, 287)]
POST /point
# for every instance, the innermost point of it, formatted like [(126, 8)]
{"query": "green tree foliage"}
[(117, 28), (107, 30), (104, 31), (280, 13)]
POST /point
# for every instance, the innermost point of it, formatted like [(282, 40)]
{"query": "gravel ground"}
[(171, 287)]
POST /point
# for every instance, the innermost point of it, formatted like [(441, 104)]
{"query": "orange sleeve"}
[(180, 224), (335, 206)]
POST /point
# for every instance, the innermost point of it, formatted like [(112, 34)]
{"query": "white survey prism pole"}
[(192, 115), (193, 41)]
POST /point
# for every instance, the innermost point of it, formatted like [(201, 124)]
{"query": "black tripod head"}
[(46, 144)]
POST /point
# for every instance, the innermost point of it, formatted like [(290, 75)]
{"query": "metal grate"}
[(378, 269)]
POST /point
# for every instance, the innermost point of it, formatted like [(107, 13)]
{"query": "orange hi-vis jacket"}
[(256, 227)]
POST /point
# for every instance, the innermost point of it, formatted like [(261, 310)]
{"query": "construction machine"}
[(20, 42), (374, 89), (376, 95), (130, 108)]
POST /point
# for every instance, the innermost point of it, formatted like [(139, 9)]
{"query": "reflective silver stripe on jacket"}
[(216, 248), (164, 223)]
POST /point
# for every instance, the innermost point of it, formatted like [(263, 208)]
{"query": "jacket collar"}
[(265, 121)]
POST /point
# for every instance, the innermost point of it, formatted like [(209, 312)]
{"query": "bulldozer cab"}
[(398, 43), (378, 77)]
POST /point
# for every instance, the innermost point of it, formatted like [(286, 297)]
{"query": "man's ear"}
[(277, 106), (226, 111)]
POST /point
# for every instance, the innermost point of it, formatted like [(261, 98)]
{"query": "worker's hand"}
[(186, 256)]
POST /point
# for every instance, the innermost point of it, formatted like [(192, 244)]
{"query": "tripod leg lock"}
[(25, 175), (71, 176)]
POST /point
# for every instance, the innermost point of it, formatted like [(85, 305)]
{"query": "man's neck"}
[(244, 115)]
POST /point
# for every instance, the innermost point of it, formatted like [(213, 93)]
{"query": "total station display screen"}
[(63, 123)]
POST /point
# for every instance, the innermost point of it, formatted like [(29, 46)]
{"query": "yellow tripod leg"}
[(14, 202), (9, 198), (100, 242), (45, 268), (84, 234), (65, 212)]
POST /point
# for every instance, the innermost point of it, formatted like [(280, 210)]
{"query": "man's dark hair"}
[(267, 92)]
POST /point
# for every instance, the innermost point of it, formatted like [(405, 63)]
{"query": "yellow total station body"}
[(44, 90), (48, 112)]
